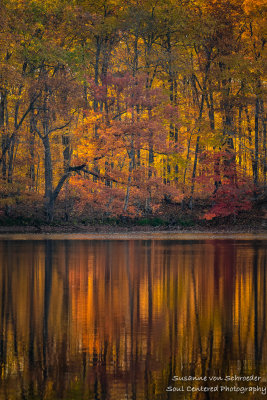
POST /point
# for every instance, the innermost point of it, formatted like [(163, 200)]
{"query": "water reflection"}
[(119, 319)]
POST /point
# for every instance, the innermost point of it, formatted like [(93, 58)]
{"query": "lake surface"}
[(132, 319)]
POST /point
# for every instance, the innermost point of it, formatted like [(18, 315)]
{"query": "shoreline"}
[(110, 232)]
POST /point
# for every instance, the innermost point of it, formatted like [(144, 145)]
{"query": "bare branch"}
[(17, 126), (37, 130), (57, 128)]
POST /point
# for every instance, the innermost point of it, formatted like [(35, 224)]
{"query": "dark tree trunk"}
[(48, 167), (49, 202), (197, 146), (248, 126), (263, 119), (240, 136), (2, 108), (11, 156), (256, 153), (131, 167), (32, 154), (66, 164), (194, 171), (96, 67), (2, 125), (173, 131), (96, 105)]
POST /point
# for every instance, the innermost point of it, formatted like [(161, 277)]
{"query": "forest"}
[(126, 108)]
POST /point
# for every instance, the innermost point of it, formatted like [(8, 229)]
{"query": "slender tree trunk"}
[(201, 106), (11, 155), (135, 61), (32, 154), (216, 167), (196, 150), (248, 126), (49, 203), (135, 69), (104, 70), (131, 167), (4, 167), (11, 143), (240, 136), (256, 151), (211, 111), (229, 162), (175, 103), (263, 119), (2, 109), (172, 128), (2, 130), (194, 172), (96, 104), (66, 164), (48, 167), (96, 67), (150, 163), (187, 157)]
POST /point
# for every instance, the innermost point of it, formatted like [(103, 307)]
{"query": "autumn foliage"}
[(111, 108)]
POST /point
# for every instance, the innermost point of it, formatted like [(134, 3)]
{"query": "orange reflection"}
[(105, 319)]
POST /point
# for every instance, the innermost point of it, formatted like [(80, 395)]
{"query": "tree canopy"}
[(111, 107)]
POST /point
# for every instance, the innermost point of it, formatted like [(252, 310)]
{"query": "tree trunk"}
[(96, 67), (2, 109), (240, 136), (194, 172), (32, 155), (96, 105), (216, 167), (263, 119), (187, 157), (150, 163), (172, 128), (49, 202), (248, 126), (66, 164), (256, 153), (197, 148), (131, 167), (201, 106), (2, 131), (4, 167), (11, 155)]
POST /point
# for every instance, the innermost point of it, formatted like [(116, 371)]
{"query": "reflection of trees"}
[(47, 294), (259, 278), (263, 329), (3, 282), (103, 319)]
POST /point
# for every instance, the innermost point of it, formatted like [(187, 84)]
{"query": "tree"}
[(134, 98)]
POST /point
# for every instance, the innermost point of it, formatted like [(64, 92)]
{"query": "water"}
[(131, 319)]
